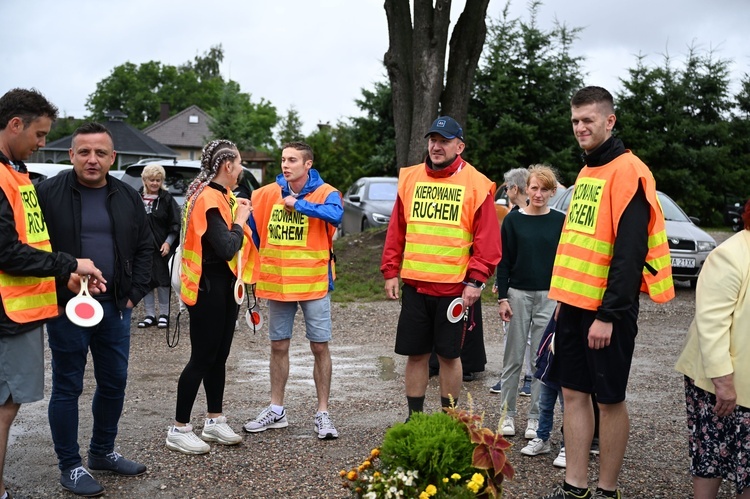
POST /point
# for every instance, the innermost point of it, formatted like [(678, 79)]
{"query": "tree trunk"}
[(466, 46), (415, 62), (398, 64)]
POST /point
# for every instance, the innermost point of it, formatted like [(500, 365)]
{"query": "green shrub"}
[(434, 444)]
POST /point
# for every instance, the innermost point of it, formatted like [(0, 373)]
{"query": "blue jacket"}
[(331, 211)]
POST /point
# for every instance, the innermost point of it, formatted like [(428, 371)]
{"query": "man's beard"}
[(447, 162)]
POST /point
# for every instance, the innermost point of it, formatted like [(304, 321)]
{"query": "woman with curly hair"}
[(217, 250), (716, 365)]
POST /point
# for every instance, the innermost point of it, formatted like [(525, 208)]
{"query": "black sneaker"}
[(561, 493), (116, 463), (80, 482), (599, 494)]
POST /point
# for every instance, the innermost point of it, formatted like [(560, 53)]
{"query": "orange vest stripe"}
[(26, 299), (295, 250), (584, 255), (439, 215)]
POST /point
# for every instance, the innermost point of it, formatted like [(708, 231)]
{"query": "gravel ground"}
[(366, 398)]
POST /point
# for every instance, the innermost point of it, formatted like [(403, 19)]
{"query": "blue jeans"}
[(547, 399), (109, 342), (317, 314)]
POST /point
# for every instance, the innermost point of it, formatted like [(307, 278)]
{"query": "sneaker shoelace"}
[(267, 416), (324, 422), (77, 473)]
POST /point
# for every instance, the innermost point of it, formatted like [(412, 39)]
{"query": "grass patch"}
[(358, 276)]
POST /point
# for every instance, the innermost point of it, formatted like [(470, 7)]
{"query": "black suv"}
[(179, 174)]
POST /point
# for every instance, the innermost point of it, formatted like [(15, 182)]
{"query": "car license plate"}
[(688, 263)]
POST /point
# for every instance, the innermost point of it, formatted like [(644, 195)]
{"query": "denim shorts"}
[(317, 314)]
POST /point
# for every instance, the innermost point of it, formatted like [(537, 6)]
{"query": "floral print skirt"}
[(719, 447)]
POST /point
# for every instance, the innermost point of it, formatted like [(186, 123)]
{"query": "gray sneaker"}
[(324, 427), (265, 420), (535, 447), (116, 463), (80, 482)]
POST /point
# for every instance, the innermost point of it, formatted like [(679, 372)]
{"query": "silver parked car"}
[(180, 173), (689, 245), (368, 203), (42, 171)]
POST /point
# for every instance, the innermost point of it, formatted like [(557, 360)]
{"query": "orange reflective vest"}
[(582, 263), (25, 298), (192, 250), (295, 250), (439, 215)]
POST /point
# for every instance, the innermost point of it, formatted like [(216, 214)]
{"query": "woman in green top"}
[(529, 238)]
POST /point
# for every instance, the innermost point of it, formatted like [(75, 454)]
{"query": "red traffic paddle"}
[(239, 286), (254, 318), (456, 310), (83, 310)]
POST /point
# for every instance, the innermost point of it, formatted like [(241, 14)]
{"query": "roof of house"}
[(188, 128), (127, 140)]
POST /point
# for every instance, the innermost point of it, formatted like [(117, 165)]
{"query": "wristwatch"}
[(474, 283)]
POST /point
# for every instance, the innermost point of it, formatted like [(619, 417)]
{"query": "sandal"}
[(163, 322), (147, 322)]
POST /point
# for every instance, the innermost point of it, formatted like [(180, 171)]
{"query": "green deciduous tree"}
[(247, 124), (139, 90)]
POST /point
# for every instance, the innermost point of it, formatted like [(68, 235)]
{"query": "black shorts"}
[(603, 372), (424, 325)]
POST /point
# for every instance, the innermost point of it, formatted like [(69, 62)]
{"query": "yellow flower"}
[(456, 476), (424, 495), (431, 490), (445, 480), (473, 486), (478, 477), (342, 473), (366, 464), (376, 474), (375, 452), (352, 475)]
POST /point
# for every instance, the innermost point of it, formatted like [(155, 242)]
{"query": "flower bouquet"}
[(439, 455)]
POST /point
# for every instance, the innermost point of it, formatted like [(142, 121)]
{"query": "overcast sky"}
[(317, 54)]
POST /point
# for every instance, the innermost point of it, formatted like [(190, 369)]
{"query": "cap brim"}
[(443, 134)]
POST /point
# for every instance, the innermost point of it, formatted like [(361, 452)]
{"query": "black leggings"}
[(212, 323)]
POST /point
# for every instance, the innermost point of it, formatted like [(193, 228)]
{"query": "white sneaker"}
[(265, 420), (560, 461), (508, 427), (182, 439), (217, 430), (536, 446), (324, 427), (531, 426)]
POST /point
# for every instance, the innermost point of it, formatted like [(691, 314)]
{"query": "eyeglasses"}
[(506, 187)]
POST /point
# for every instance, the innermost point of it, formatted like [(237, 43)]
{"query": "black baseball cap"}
[(447, 127)]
